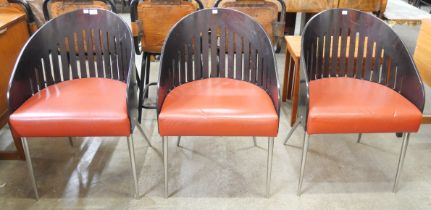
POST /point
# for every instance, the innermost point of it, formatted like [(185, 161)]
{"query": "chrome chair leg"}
[(178, 141), (403, 151), (304, 159), (143, 134), (165, 162), (269, 166), (133, 164), (71, 141), (292, 130), (254, 141), (30, 166), (359, 138)]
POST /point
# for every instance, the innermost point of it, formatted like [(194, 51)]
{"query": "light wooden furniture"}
[(422, 57), (55, 8), (14, 33), (291, 73)]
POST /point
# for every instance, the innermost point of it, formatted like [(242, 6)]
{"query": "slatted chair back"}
[(102, 47), (196, 49), (350, 43), (55, 8), (152, 20)]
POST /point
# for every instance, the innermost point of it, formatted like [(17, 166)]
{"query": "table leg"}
[(295, 93), (287, 81)]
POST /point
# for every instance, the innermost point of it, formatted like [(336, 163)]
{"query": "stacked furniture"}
[(54, 8)]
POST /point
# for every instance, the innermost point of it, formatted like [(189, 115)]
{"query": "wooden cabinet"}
[(13, 35)]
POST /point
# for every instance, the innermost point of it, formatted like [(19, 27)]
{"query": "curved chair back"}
[(55, 8), (101, 45), (263, 11), (152, 20), (350, 43), (196, 49)]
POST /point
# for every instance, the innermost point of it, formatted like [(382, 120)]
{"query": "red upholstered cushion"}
[(81, 107), (347, 105), (218, 107)]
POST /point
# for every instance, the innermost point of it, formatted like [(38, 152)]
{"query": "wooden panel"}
[(158, 19), (57, 8), (363, 5), (312, 6), (265, 13), (12, 39), (422, 56)]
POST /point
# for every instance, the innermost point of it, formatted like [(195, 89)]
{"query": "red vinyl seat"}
[(80, 107), (348, 105), (218, 107)]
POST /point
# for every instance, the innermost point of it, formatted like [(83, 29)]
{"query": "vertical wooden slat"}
[(105, 52), (48, 75), (214, 58), (328, 46), (189, 63), (360, 56), (222, 55), (205, 49), (377, 60), (198, 62), (56, 63), (98, 53), (230, 60), (343, 59), (368, 60), (319, 69), (64, 60), (90, 53), (253, 64), (259, 69), (238, 56), (81, 52), (246, 51), (72, 56), (350, 71), (182, 64), (334, 59), (113, 56)]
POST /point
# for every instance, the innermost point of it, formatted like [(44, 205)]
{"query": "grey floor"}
[(222, 173)]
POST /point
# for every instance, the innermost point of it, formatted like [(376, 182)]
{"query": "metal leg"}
[(359, 138), (304, 159), (133, 164), (254, 141), (71, 141), (401, 160), (269, 166), (165, 162), (143, 134), (30, 166), (178, 141), (292, 130), (147, 73)]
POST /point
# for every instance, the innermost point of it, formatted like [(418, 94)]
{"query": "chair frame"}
[(177, 52), (35, 59), (143, 80), (396, 68), (46, 11)]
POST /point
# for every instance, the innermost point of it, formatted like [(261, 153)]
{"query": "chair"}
[(264, 12), (373, 87), (89, 92), (215, 65), (54, 8), (151, 22)]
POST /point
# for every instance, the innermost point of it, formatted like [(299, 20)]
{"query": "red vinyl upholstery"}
[(80, 107), (218, 107), (347, 105)]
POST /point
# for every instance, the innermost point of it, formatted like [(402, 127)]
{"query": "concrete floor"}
[(222, 173)]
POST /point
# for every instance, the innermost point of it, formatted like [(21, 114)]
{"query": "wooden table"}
[(422, 58), (13, 35)]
